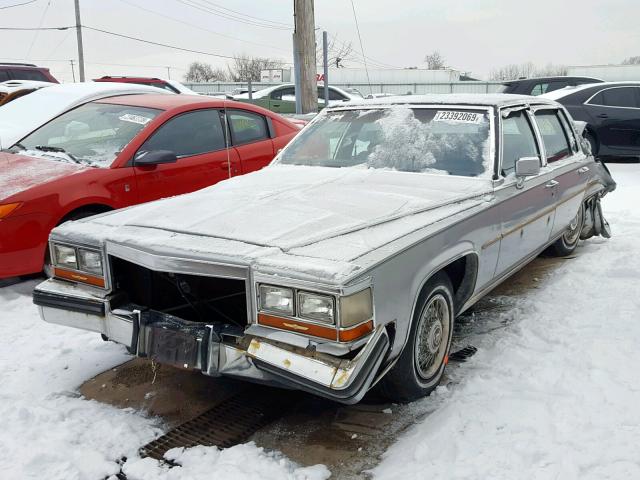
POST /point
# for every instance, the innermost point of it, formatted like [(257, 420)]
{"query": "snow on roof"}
[(480, 99), (563, 92)]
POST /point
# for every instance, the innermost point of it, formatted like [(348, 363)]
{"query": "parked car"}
[(25, 71), (282, 98), (538, 86), (13, 89), (27, 113), (612, 113), (121, 151), (172, 86), (344, 263)]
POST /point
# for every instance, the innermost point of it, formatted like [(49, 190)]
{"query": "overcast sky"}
[(472, 35)]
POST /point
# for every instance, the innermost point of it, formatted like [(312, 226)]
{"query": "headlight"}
[(65, 257), (356, 308), (90, 261), (276, 299), (316, 307)]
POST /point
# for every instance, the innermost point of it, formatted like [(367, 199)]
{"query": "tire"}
[(429, 342), (591, 138), (568, 242)]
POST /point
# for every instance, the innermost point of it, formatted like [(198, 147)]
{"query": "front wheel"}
[(422, 362), (568, 242)]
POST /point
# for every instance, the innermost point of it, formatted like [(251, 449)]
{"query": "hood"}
[(19, 173), (292, 206)]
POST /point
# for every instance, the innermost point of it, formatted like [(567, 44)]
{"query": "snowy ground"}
[(555, 394), (552, 394)]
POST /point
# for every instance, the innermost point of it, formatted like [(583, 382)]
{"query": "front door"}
[(527, 210), (616, 112), (198, 141), (283, 100)]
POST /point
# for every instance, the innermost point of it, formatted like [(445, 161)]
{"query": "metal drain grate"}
[(227, 424)]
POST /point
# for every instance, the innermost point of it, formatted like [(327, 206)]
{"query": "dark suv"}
[(25, 71), (538, 86)]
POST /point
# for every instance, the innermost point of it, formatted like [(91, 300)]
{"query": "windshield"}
[(425, 140), (92, 134)]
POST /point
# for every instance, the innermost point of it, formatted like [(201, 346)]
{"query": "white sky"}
[(472, 35)]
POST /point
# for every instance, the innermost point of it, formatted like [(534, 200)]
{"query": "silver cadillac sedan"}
[(344, 263)]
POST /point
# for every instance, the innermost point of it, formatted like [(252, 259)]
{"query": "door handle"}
[(602, 115), (551, 184), (583, 170), (224, 165), (275, 105)]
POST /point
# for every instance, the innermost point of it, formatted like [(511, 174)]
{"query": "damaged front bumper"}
[(214, 350)]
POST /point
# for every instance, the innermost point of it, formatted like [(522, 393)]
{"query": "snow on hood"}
[(281, 214), (19, 173)]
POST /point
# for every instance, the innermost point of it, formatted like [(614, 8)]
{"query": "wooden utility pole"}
[(79, 38), (305, 55)]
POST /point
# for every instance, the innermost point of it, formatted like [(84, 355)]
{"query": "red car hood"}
[(19, 173)]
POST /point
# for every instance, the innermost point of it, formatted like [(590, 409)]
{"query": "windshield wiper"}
[(47, 148)]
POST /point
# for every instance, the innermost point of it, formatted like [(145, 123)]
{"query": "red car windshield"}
[(92, 134)]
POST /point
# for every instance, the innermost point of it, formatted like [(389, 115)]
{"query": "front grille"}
[(195, 298)]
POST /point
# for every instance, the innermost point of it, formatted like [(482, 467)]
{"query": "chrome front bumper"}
[(248, 357)]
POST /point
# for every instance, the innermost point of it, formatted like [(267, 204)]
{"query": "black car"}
[(612, 113), (538, 86)]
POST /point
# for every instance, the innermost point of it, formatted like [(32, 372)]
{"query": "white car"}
[(23, 115)]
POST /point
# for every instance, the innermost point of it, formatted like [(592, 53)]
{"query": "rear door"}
[(198, 140), (527, 210), (283, 100), (251, 135), (565, 161), (615, 112)]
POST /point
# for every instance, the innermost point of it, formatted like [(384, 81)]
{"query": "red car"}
[(121, 151)]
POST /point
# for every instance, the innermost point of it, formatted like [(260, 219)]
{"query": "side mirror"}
[(527, 167), (154, 157)]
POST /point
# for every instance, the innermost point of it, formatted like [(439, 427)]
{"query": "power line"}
[(228, 16), (35, 36), (30, 29), (247, 15), (201, 28), (18, 4), (366, 68)]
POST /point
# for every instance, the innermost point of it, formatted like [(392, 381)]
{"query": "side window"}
[(19, 74), (189, 134), (4, 76), (283, 94), (570, 133), (553, 134), (616, 97), (556, 86), (247, 127), (518, 141), (333, 95), (539, 89)]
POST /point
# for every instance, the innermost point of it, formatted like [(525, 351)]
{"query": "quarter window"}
[(616, 97), (247, 127), (554, 136), (518, 141), (189, 134)]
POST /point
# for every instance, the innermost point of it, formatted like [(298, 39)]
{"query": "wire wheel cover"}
[(432, 336)]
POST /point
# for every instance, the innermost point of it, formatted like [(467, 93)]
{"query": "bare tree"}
[(631, 61), (434, 60), (203, 72), (244, 67), (339, 52), (527, 70)]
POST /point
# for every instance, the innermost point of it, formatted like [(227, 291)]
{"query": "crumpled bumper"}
[(212, 349)]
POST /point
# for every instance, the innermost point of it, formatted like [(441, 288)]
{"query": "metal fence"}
[(365, 89)]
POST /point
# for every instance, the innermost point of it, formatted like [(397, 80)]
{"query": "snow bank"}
[(209, 463), (555, 394), (47, 430)]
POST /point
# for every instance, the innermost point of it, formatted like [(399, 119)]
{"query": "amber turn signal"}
[(7, 208), (78, 277)]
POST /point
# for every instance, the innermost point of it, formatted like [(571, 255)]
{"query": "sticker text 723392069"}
[(458, 117)]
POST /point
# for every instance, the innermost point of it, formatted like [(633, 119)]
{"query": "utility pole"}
[(73, 71), (305, 55), (169, 73), (325, 63), (79, 37)]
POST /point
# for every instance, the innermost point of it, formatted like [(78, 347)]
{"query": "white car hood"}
[(282, 214)]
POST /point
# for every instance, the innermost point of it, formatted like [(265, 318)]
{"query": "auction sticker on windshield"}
[(139, 119), (458, 117)]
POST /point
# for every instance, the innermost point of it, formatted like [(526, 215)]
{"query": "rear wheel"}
[(422, 362), (568, 242)]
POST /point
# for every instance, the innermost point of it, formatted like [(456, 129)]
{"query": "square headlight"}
[(276, 299), (316, 307), (90, 261), (64, 256)]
